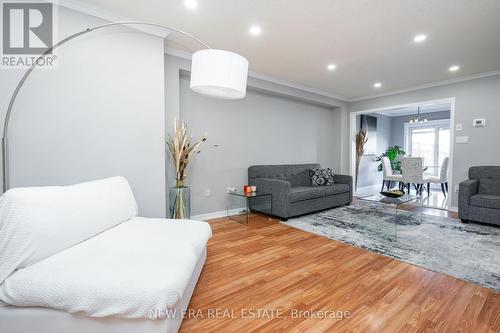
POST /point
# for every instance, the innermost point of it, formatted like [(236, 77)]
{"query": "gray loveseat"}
[(292, 191), (479, 196)]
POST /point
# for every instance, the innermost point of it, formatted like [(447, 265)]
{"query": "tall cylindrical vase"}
[(180, 202)]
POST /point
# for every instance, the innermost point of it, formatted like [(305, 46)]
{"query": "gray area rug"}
[(469, 252)]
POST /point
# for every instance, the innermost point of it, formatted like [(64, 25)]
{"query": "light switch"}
[(462, 139), (459, 127)]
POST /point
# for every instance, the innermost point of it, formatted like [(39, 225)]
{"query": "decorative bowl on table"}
[(393, 193)]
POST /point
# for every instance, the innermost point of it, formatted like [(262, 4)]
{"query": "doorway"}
[(429, 138)]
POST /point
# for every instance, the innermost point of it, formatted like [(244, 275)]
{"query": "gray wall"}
[(260, 129), (99, 114), (273, 124), (479, 98), (398, 125)]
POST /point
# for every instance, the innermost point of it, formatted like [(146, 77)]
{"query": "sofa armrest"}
[(344, 179), (280, 189), (466, 190)]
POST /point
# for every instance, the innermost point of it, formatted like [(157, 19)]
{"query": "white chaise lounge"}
[(78, 259)]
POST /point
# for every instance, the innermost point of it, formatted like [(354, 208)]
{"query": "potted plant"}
[(393, 153), (182, 148)]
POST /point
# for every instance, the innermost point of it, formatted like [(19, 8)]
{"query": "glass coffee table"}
[(240, 204), (397, 203), (392, 201)]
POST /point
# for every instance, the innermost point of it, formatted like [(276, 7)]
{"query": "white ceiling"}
[(368, 40)]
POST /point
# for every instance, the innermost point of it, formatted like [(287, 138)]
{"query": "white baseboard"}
[(219, 214)]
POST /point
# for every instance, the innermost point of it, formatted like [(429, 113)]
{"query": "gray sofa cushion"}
[(485, 201), (296, 174), (489, 186), (337, 189), (489, 179), (302, 193)]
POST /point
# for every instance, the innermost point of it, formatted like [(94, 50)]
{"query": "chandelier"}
[(418, 118)]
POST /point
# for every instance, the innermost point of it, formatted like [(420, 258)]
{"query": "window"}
[(429, 140)]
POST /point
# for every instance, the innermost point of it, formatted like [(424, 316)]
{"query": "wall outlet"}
[(231, 189), (207, 192), (462, 139), (459, 127), (457, 188)]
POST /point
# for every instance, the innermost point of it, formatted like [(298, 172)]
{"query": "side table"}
[(244, 202)]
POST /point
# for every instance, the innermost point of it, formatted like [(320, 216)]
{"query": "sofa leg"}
[(464, 221), (284, 219), (383, 184)]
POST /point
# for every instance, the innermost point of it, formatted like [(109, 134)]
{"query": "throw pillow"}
[(321, 177)]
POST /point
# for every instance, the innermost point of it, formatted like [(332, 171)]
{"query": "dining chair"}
[(441, 179), (388, 174), (413, 173)]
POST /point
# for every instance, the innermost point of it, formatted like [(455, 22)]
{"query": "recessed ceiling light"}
[(331, 67), (454, 68), (377, 85), (255, 30), (191, 4), (420, 38)]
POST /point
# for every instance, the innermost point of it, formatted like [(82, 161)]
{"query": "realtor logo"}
[(27, 31)]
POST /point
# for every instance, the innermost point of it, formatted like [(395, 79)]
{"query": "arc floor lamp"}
[(216, 73)]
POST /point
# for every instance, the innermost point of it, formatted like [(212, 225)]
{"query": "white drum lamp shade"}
[(219, 74)]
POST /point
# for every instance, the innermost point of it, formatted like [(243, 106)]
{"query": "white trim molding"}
[(187, 55), (219, 214), (427, 85)]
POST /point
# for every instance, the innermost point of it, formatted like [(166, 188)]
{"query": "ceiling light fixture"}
[(255, 30), (331, 67), (420, 38), (377, 85), (191, 4), (418, 118), (454, 68)]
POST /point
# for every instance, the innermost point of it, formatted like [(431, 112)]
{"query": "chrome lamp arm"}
[(5, 141)]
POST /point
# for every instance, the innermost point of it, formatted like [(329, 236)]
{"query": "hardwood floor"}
[(268, 265)]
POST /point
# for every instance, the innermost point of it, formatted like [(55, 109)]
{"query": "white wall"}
[(479, 98), (99, 114)]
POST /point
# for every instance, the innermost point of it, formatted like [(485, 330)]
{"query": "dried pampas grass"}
[(182, 148), (361, 140)]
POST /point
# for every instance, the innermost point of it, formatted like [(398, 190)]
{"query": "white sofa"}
[(78, 259)]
